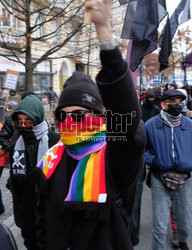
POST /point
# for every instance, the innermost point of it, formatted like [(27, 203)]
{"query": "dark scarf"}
[(27, 134)]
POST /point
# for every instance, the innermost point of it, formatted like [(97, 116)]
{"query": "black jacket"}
[(52, 96), (91, 225), (24, 197), (6, 134), (149, 111)]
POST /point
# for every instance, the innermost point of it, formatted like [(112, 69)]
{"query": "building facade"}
[(58, 27)]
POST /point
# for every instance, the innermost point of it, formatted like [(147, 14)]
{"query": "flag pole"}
[(88, 17), (184, 68), (141, 78), (173, 72)]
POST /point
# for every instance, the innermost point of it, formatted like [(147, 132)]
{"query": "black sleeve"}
[(56, 95), (6, 134), (41, 189), (112, 65), (119, 94), (41, 192), (40, 219), (53, 138), (125, 133)]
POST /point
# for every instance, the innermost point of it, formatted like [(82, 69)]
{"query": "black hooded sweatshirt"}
[(22, 186)]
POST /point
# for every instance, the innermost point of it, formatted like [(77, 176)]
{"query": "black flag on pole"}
[(179, 16), (140, 25), (166, 47)]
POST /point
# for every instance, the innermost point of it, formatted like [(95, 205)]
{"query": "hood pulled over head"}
[(32, 107)]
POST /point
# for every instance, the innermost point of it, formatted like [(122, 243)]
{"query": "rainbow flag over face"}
[(86, 143), (83, 138)]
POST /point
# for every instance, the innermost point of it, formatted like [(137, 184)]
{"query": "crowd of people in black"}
[(81, 188)]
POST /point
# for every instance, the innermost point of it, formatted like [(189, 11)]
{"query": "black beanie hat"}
[(80, 90), (150, 95)]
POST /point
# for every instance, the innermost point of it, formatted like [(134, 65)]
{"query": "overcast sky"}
[(172, 5)]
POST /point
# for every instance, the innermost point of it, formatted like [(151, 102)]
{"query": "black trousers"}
[(135, 218), (24, 213)]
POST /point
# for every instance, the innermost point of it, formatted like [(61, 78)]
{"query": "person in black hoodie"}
[(148, 108), (7, 131), (33, 140), (76, 207)]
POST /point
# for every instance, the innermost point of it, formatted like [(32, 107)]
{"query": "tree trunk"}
[(28, 62), (29, 80), (28, 69)]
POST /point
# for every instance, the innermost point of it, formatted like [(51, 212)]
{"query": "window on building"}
[(15, 22), (60, 3), (41, 84), (39, 29), (6, 19), (55, 38)]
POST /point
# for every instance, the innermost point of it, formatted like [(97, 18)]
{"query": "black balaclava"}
[(149, 103)]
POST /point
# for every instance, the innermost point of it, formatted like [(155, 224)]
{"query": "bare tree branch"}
[(56, 48), (10, 7), (35, 17)]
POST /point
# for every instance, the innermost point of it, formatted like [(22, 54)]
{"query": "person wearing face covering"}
[(33, 140), (148, 108), (77, 208), (168, 152)]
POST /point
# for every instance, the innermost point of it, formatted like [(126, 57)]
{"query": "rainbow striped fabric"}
[(51, 159), (88, 181), (85, 143)]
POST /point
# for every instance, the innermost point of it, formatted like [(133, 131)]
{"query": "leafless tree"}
[(48, 24), (46, 27), (181, 46)]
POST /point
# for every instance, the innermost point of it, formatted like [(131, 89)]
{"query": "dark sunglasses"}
[(27, 123), (77, 115)]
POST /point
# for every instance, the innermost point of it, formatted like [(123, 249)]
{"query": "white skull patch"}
[(19, 163)]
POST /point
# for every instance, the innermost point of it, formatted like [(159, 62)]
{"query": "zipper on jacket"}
[(173, 147)]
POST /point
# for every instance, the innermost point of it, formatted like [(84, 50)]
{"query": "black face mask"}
[(174, 109), (149, 103), (28, 134)]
